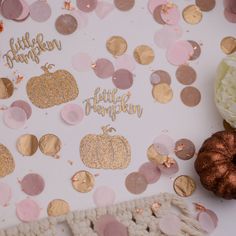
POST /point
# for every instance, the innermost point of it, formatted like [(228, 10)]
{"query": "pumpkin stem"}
[(47, 67), (107, 129)]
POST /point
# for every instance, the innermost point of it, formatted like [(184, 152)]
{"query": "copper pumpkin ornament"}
[(216, 164)]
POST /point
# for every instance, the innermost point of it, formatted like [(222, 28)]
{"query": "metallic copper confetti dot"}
[(6, 88), (83, 181), (160, 76), (192, 14), (40, 11), (58, 207), (184, 149), (7, 163), (49, 144), (157, 15), (144, 55), (124, 5), (228, 45), (87, 5), (103, 68), (136, 183), (190, 96), (196, 50), (122, 79), (162, 93), (186, 74), (116, 45), (27, 144), (206, 5), (66, 24), (184, 186)]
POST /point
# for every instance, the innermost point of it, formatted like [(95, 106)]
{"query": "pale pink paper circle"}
[(103, 9), (101, 223), (5, 194), (32, 184), (150, 171), (104, 196), (206, 222), (213, 216), (40, 11), (171, 15), (81, 17), (23, 105), (164, 144), (25, 12), (115, 228), (229, 15), (152, 4), (11, 9), (103, 68), (170, 224), (72, 114), (81, 62), (173, 169), (125, 61), (27, 210), (87, 5), (122, 79), (14, 117)]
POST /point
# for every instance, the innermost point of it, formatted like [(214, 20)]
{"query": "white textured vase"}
[(225, 89)]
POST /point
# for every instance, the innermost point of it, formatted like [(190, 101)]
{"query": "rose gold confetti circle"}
[(170, 14), (27, 144), (25, 12), (186, 74), (6, 88), (206, 5), (157, 15), (23, 105), (83, 181), (103, 68), (6, 194), (184, 186), (136, 183), (87, 5), (228, 45), (124, 5), (192, 14), (190, 96), (115, 228), (66, 24), (184, 149), (150, 171), (196, 50), (144, 55), (162, 93), (49, 144), (72, 114), (160, 76), (170, 224), (11, 9), (206, 222), (40, 11), (102, 222), (32, 184), (122, 79), (229, 15), (104, 196), (7, 163), (58, 207), (116, 45)]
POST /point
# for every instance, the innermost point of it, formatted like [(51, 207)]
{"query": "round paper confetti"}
[(6, 88), (115, 228), (162, 93), (229, 15), (154, 156), (192, 14), (27, 144), (228, 45), (196, 50), (190, 96), (122, 79), (164, 144), (144, 55), (170, 224), (170, 14), (103, 196), (152, 4), (206, 222), (58, 207), (81, 62), (124, 5), (83, 181), (25, 11), (7, 164), (125, 62), (151, 172), (103, 9), (66, 24), (32, 184), (11, 9), (103, 68), (169, 167), (136, 183), (213, 216), (72, 114), (116, 45), (186, 74), (49, 144), (206, 5), (14, 117), (184, 186), (184, 149), (87, 5), (81, 17), (102, 222), (23, 105), (160, 76), (40, 11), (27, 210), (157, 15), (5, 194)]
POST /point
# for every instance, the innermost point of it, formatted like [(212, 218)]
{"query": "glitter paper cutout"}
[(52, 88), (27, 144), (6, 88), (58, 207), (192, 14), (50, 144), (7, 163), (105, 151), (184, 186)]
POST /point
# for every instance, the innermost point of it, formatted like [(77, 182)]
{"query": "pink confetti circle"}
[(27, 210), (103, 68), (125, 62), (213, 216), (72, 114), (14, 117), (122, 79), (25, 13), (152, 4), (206, 222), (5, 194), (230, 15), (101, 223), (150, 171), (164, 144), (170, 224), (115, 229), (81, 62), (81, 17), (23, 105), (103, 9), (103, 196), (171, 15), (40, 11), (87, 5), (169, 170)]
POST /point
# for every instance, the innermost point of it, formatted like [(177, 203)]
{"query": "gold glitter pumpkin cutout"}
[(52, 88), (105, 151)]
